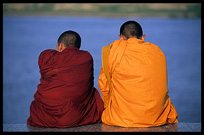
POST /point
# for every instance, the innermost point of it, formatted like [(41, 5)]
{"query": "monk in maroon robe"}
[(66, 96)]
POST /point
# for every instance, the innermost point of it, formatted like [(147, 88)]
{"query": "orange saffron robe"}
[(133, 83)]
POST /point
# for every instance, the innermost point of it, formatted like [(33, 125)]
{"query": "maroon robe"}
[(65, 96)]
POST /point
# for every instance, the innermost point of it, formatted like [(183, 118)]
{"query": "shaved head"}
[(70, 38), (131, 29)]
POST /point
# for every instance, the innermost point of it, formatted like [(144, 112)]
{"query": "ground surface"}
[(100, 127)]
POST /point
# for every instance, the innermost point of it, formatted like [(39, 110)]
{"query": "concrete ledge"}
[(101, 127)]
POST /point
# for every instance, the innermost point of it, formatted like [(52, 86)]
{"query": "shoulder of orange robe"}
[(112, 50), (108, 117)]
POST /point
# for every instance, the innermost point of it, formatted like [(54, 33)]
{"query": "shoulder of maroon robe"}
[(68, 84), (45, 56)]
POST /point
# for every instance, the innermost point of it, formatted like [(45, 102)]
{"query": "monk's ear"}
[(61, 47), (143, 37), (122, 37), (57, 47)]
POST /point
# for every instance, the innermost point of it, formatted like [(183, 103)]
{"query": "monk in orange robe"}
[(66, 96), (133, 82)]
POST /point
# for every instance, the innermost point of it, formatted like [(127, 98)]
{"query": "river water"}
[(24, 38)]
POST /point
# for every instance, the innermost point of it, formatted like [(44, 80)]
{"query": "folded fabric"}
[(66, 96), (135, 94)]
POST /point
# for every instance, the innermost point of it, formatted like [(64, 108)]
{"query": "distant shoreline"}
[(99, 15), (168, 10), (114, 15)]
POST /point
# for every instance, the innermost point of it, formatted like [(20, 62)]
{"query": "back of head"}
[(70, 38), (131, 29)]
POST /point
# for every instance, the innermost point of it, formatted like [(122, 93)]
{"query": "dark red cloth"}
[(65, 96)]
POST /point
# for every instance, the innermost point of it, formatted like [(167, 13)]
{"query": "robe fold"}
[(66, 96), (133, 83)]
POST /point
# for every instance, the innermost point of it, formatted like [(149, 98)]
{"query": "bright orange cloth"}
[(138, 93)]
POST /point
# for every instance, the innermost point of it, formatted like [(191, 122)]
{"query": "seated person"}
[(66, 96), (133, 81)]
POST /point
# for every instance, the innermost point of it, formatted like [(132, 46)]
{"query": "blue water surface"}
[(24, 38)]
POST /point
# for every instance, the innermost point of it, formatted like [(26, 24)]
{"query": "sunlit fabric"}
[(135, 94)]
